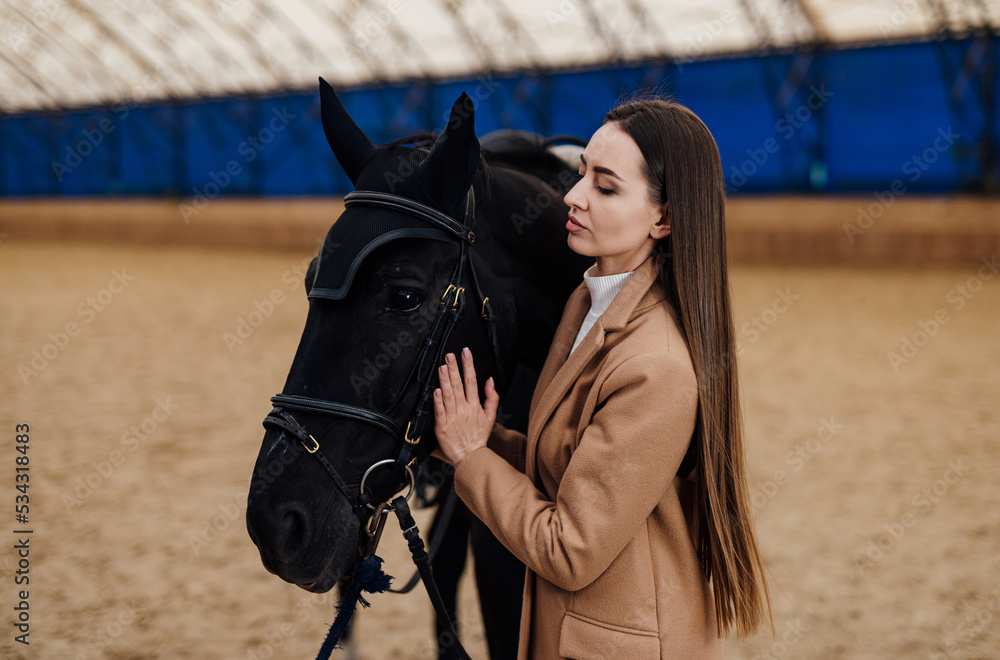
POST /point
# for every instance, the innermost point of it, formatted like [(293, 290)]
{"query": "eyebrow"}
[(601, 170)]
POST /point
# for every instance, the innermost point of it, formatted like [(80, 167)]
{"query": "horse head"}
[(423, 261)]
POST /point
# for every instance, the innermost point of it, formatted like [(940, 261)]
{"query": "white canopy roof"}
[(57, 53)]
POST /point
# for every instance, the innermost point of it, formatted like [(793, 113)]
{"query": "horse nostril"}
[(292, 532)]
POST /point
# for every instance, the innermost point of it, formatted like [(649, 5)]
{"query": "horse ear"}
[(447, 172), (350, 145)]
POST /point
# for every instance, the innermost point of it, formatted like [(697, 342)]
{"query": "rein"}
[(368, 574)]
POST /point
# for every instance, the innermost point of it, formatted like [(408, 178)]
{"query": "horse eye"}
[(405, 301)]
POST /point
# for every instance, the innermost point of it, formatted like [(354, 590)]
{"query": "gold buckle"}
[(459, 291), (447, 291), (406, 436), (314, 448), (485, 300)]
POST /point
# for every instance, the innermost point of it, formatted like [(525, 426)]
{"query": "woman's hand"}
[(461, 424)]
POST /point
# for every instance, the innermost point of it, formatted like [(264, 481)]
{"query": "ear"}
[(447, 172), (350, 145), (661, 229)]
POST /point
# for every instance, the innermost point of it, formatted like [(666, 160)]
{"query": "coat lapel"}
[(559, 372), (576, 309)]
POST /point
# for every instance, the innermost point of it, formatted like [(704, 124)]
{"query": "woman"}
[(628, 554)]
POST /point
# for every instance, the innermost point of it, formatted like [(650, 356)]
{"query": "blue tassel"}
[(368, 576)]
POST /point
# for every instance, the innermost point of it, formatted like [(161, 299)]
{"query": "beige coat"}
[(589, 500)]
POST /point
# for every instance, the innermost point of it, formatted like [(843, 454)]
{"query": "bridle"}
[(451, 306)]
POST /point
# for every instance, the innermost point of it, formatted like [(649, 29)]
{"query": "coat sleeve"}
[(626, 460), (509, 444)]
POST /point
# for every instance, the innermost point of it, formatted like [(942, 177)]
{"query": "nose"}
[(280, 534), (575, 197), (291, 531)]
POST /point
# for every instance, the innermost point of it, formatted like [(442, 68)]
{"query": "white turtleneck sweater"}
[(602, 289)]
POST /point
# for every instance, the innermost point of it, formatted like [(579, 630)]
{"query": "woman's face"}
[(612, 216)]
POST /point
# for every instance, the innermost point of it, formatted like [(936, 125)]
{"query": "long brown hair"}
[(684, 170)]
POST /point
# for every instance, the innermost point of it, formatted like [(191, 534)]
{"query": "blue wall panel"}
[(877, 126), (729, 97), (837, 121)]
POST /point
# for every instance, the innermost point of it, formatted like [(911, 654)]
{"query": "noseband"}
[(450, 309)]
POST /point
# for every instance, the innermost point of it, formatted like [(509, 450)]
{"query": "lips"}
[(573, 225), (321, 585)]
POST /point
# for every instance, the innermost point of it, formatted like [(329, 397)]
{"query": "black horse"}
[(426, 210)]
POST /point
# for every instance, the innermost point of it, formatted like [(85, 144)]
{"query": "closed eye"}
[(604, 191)]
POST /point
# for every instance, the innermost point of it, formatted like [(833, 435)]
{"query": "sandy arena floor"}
[(875, 480)]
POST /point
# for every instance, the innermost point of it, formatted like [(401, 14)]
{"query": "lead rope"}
[(369, 577), (412, 535), (437, 538)]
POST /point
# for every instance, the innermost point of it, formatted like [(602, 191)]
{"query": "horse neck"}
[(526, 251)]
